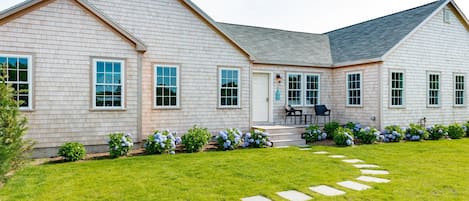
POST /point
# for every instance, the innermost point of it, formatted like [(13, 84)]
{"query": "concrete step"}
[(280, 143), (281, 129), (285, 136)]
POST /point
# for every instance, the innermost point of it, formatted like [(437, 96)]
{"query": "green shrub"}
[(343, 137), (120, 144), (162, 142), (72, 151), (455, 131), (416, 133), (466, 128), (367, 135), (437, 131), (195, 139), (313, 133), (330, 127), (14, 149)]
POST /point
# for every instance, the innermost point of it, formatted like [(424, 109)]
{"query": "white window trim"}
[(454, 90), (219, 88), (403, 89), (178, 95), (288, 88), (347, 89), (30, 79), (428, 90), (305, 102), (123, 81)]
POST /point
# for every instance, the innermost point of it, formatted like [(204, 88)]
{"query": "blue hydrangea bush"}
[(229, 139), (367, 135), (355, 127), (437, 132), (392, 134), (416, 133), (120, 144), (343, 137), (162, 142), (313, 133), (256, 139)]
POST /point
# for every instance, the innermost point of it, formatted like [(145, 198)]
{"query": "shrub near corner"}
[(229, 139), (72, 151), (416, 133), (343, 137), (313, 133), (392, 133), (330, 127), (120, 144), (257, 139), (367, 135), (162, 142), (456, 131), (195, 139), (437, 132)]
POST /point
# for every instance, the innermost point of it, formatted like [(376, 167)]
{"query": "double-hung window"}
[(459, 90), (229, 87), (397, 92), (18, 71), (303, 89), (108, 84), (433, 95), (166, 86), (354, 89)]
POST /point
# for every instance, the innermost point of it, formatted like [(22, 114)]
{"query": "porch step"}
[(281, 129), (280, 143), (285, 136)]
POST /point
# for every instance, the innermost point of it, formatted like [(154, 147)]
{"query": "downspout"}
[(139, 96)]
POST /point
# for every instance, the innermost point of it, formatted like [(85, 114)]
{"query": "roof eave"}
[(358, 62), (292, 63)]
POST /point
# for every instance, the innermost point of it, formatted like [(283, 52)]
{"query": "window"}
[(312, 89), (108, 89), (397, 89), (354, 89), (18, 71), (229, 90), (459, 90), (433, 89), (166, 86), (294, 89)]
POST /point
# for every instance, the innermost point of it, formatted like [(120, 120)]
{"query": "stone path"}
[(354, 185), (294, 196), (325, 190)]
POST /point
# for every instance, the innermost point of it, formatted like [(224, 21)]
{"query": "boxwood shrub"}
[(72, 151), (195, 139), (455, 131)]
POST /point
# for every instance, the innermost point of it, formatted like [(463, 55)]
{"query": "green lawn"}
[(431, 170)]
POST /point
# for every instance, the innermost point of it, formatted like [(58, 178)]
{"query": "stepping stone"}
[(305, 149), (256, 198), (326, 190), (282, 147), (353, 161), (294, 196), (354, 185), (373, 179), (374, 172), (337, 156), (360, 166), (321, 152)]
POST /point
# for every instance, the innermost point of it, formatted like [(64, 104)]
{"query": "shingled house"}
[(93, 67)]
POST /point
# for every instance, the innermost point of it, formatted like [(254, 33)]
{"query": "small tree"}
[(13, 148)]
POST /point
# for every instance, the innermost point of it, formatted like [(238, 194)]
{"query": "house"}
[(93, 67)]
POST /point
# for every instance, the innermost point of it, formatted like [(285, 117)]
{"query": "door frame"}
[(271, 101)]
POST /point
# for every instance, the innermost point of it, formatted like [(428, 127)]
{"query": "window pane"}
[(100, 78), (23, 101), (12, 75), (117, 67), (108, 66), (117, 78), (100, 90), (12, 63), (100, 67), (23, 76), (23, 63)]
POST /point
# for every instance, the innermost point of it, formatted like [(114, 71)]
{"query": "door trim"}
[(271, 101)]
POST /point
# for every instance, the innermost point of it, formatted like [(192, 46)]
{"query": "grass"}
[(431, 170)]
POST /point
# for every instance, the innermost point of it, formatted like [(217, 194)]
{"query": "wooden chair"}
[(292, 112), (322, 111)]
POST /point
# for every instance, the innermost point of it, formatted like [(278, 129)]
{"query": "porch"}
[(284, 135)]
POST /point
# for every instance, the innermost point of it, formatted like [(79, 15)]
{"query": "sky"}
[(313, 16)]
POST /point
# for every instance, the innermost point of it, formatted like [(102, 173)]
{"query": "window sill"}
[(397, 107), (27, 110), (354, 106), (108, 109), (166, 108), (459, 106), (434, 106), (229, 108)]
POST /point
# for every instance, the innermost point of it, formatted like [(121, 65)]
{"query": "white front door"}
[(260, 97)]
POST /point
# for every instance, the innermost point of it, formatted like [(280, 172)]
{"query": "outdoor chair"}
[(292, 113), (322, 111)]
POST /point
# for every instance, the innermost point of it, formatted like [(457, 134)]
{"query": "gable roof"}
[(372, 39), (273, 46), (18, 10)]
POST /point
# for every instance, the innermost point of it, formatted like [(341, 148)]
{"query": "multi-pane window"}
[(17, 70), (354, 89), (312, 89), (433, 89), (397, 89), (229, 87), (294, 89), (459, 90), (166, 86), (108, 83)]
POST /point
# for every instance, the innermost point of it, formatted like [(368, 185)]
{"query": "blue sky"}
[(314, 16)]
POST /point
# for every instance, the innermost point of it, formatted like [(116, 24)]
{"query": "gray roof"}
[(374, 38), (273, 46)]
